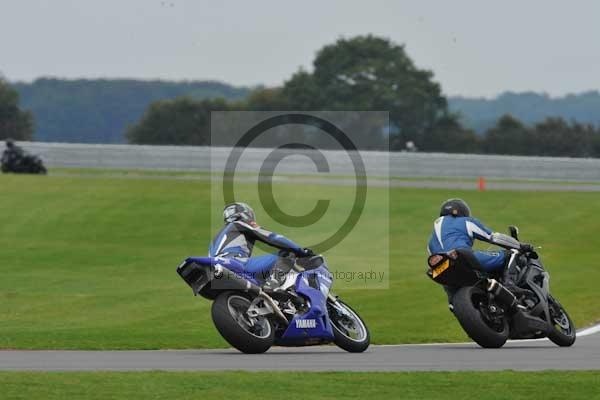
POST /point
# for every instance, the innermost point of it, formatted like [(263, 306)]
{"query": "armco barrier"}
[(190, 158)]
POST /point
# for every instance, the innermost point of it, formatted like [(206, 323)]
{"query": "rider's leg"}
[(282, 267), (260, 266), (497, 261), (491, 261)]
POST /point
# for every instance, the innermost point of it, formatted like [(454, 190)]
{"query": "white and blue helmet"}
[(238, 212)]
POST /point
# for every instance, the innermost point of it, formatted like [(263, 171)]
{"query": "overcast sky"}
[(475, 48)]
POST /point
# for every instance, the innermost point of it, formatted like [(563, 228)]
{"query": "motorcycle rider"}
[(12, 154), (237, 238), (457, 229)]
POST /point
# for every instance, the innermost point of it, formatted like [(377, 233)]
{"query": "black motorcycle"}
[(22, 164), (515, 303)]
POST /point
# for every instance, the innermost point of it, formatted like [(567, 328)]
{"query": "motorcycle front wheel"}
[(349, 330), (563, 332)]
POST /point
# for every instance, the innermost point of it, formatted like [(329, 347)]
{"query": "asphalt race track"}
[(518, 355)]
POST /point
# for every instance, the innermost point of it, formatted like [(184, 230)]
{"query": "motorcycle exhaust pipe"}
[(521, 319), (502, 294)]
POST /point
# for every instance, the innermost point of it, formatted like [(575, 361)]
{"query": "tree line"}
[(371, 73), (552, 137), (358, 74), (353, 74), (100, 110), (481, 114)]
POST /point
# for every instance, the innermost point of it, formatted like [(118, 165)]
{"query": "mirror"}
[(514, 232)]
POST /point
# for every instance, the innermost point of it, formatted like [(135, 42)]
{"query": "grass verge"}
[(90, 263), (300, 385)]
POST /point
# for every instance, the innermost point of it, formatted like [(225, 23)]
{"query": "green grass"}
[(300, 385), (90, 263), (196, 175)]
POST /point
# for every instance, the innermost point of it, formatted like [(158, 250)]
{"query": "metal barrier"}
[(191, 158)]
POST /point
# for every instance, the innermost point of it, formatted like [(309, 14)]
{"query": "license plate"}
[(440, 268)]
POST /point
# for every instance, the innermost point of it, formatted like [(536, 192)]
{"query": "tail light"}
[(435, 260)]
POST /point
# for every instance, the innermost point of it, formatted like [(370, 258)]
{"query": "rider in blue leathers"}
[(457, 229), (237, 238)]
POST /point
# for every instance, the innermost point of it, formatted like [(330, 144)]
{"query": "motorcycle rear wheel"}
[(466, 303), (228, 314)]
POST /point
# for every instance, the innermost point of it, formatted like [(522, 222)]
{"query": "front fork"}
[(333, 298)]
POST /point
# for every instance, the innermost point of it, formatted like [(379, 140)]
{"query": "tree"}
[(508, 136), (182, 121), (596, 144), (447, 135), (14, 123), (364, 73), (370, 73), (555, 137), (265, 99)]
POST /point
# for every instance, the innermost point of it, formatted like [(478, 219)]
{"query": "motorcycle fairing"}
[(313, 326), (198, 272)]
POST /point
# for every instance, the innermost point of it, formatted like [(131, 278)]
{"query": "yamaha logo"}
[(306, 323)]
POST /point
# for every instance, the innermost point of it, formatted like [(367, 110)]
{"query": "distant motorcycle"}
[(23, 164), (303, 312), (481, 303)]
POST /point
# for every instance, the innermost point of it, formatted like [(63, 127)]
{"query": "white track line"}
[(589, 331), (584, 332)]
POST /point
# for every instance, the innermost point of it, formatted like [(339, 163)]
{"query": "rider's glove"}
[(526, 248), (306, 252)]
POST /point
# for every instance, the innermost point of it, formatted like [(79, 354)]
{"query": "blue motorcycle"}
[(301, 312)]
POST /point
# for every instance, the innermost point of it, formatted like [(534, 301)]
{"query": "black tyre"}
[(487, 333), (230, 319), (563, 331), (349, 330)]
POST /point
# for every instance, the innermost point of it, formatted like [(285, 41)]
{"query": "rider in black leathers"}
[(15, 159), (11, 155)]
